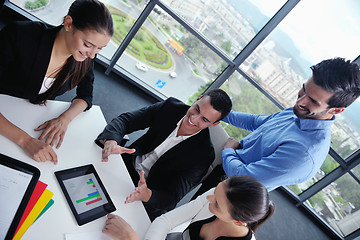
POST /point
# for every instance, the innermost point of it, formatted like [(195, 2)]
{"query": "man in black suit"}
[(174, 154)]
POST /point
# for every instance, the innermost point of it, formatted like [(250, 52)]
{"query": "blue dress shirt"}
[(281, 150)]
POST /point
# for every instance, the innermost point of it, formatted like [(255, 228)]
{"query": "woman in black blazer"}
[(39, 62)]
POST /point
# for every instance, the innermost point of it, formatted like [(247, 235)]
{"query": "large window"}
[(260, 52), (229, 25), (245, 98), (51, 12), (339, 204), (169, 58), (281, 64), (124, 14)]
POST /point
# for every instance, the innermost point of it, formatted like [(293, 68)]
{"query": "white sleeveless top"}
[(47, 83)]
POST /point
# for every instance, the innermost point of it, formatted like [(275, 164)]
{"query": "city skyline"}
[(329, 16)]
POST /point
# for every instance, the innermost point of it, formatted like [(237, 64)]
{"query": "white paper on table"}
[(87, 236)]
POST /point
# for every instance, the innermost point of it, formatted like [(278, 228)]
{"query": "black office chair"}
[(2, 23), (2, 2)]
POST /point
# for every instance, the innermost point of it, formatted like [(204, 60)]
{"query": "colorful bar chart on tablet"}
[(91, 182), (90, 196), (85, 192)]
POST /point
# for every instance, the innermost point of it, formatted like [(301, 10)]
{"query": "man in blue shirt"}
[(289, 147)]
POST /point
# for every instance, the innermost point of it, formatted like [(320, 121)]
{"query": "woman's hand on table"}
[(118, 229), (54, 131), (39, 150)]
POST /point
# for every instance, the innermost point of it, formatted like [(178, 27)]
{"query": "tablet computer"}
[(17, 182), (85, 193)]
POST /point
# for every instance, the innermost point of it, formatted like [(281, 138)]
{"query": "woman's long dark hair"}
[(249, 200), (86, 15)]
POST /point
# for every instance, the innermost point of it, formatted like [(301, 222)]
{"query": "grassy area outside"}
[(295, 189), (32, 5), (144, 46), (196, 72)]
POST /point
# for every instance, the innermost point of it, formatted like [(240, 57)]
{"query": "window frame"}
[(233, 65)]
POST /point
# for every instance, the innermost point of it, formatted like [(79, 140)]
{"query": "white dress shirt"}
[(146, 161), (47, 83)]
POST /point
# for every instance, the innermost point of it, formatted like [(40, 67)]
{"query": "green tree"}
[(356, 170), (295, 189), (318, 199), (31, 5), (181, 28), (329, 164), (201, 90), (221, 68), (349, 189), (226, 46), (245, 98)]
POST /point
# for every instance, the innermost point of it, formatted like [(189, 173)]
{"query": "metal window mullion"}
[(353, 235), (265, 31), (353, 158), (21, 11), (353, 161), (333, 176), (354, 176), (261, 89), (254, 43), (226, 73), (255, 84), (357, 60), (132, 32), (322, 221), (337, 158), (325, 181), (198, 35)]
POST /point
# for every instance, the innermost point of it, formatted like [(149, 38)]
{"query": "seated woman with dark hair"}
[(235, 208), (39, 62)]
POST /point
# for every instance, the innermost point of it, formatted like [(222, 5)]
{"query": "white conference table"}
[(78, 149)]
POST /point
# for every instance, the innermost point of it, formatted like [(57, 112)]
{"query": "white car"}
[(141, 66), (173, 74)]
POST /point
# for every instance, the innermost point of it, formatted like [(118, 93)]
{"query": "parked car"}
[(141, 66), (173, 74)]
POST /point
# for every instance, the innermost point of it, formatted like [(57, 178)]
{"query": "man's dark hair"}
[(220, 101), (340, 77)]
